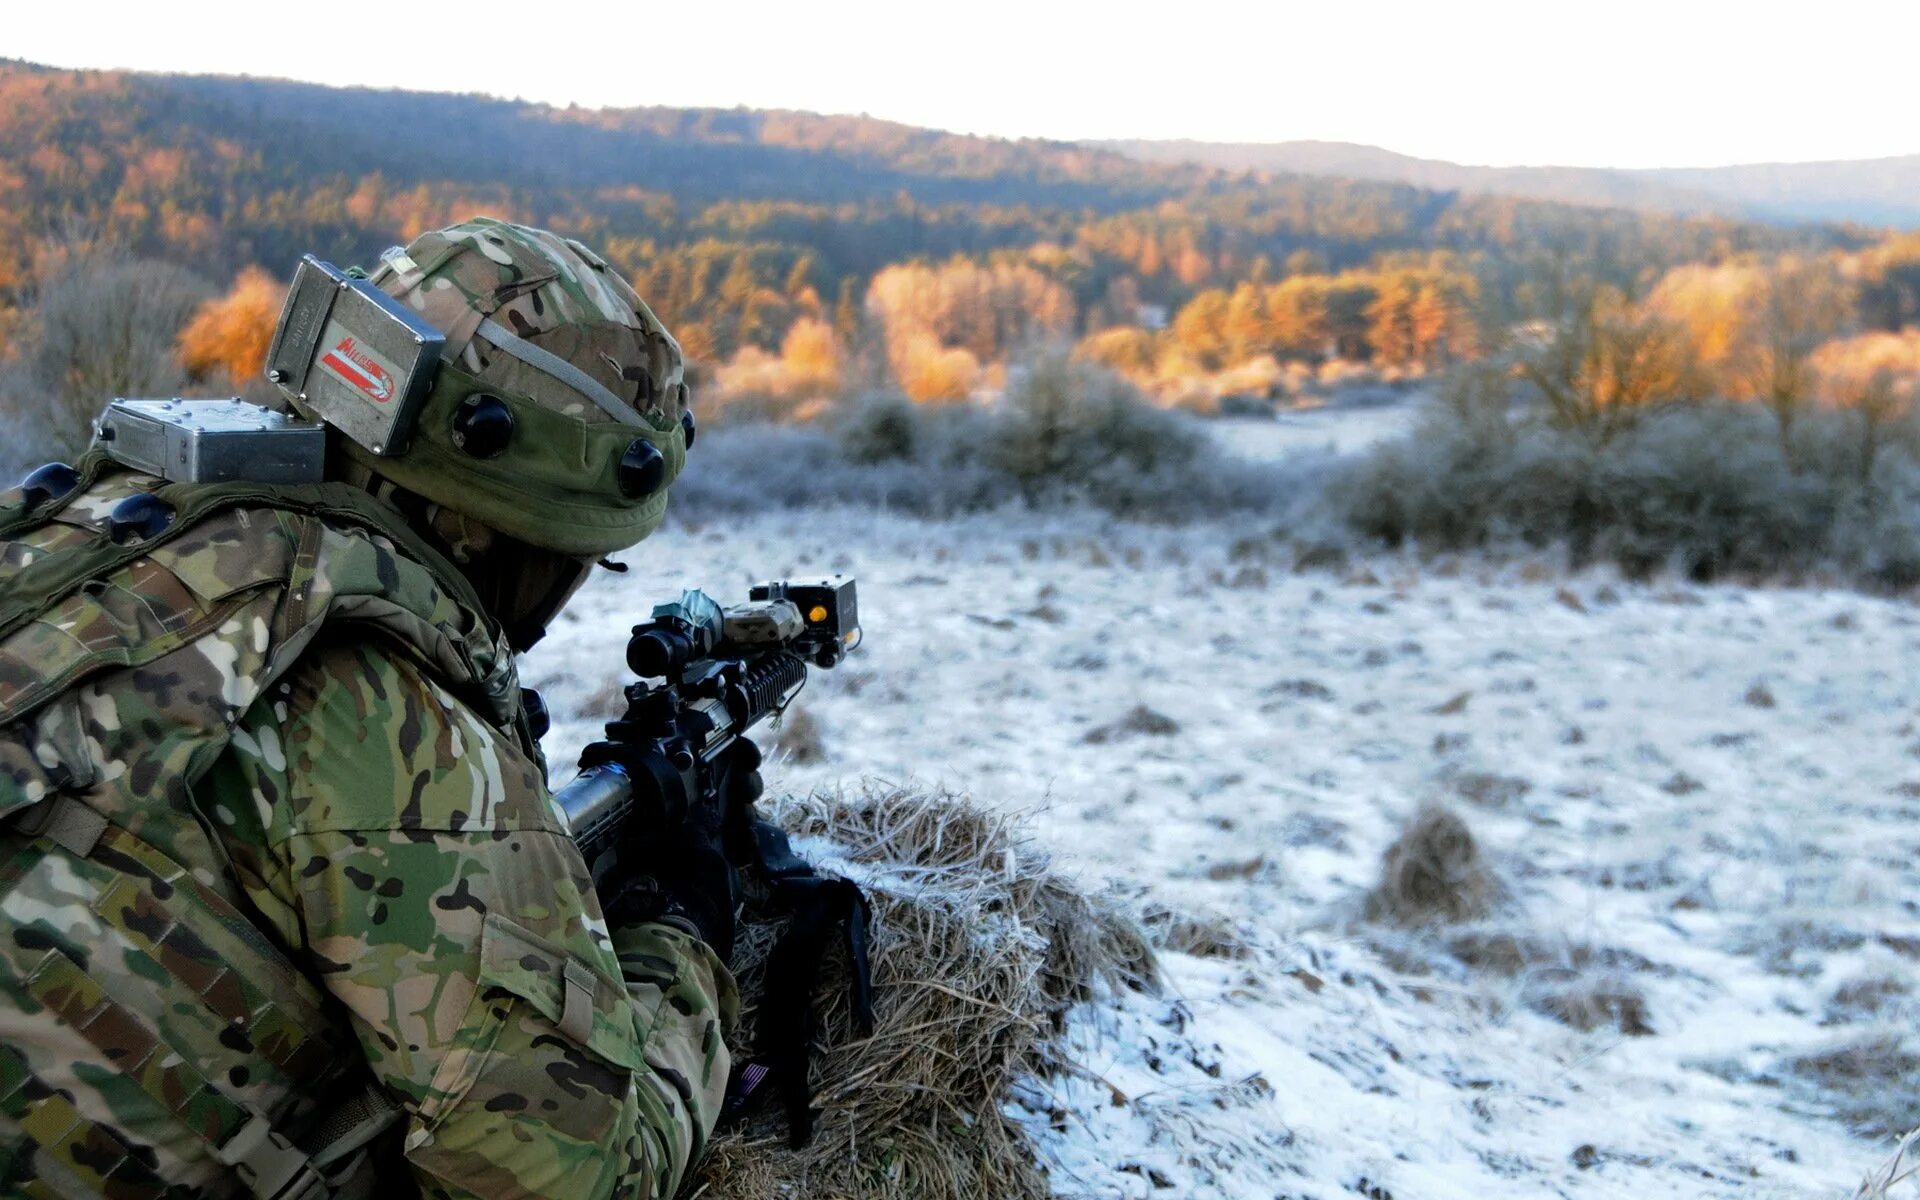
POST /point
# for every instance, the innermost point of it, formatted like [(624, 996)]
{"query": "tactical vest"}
[(138, 621)]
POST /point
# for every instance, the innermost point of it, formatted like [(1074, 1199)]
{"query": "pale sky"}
[(1575, 82)]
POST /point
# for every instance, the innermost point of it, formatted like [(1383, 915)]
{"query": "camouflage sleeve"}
[(419, 859)]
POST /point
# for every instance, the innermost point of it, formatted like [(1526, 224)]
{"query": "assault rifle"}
[(708, 677)]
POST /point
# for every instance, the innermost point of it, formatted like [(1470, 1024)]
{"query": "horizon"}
[(1096, 142), (1462, 94)]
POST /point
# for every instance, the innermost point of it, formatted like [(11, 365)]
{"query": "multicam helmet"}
[(554, 411)]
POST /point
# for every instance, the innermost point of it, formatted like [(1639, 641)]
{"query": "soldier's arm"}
[(417, 858)]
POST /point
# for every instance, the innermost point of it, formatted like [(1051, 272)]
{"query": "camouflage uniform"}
[(276, 846)]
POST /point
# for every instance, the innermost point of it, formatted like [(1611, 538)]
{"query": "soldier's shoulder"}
[(366, 739)]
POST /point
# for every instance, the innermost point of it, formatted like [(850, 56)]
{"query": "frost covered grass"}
[(1698, 804)]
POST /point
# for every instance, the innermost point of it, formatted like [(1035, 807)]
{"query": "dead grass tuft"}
[(1514, 953), (1433, 874), (1871, 1084), (1795, 946), (978, 951), (1866, 998), (800, 738), (1585, 986), (1489, 790), (1300, 689), (1590, 1002), (1140, 722), (608, 701), (1201, 936)]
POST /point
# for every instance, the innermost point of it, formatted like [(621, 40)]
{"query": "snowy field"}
[(1706, 800), (1338, 427)]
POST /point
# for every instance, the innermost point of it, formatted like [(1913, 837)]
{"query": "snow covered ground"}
[(1705, 798), (1337, 426)]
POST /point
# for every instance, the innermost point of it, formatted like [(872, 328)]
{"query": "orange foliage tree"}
[(1877, 376), (941, 323), (1601, 368), (231, 333)]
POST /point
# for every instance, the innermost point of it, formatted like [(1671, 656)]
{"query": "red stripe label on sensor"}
[(359, 370)]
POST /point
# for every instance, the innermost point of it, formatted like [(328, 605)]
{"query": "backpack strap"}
[(236, 1135), (77, 1155), (70, 824), (223, 962)]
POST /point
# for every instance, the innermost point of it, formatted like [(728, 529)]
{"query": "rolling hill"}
[(1882, 191), (735, 220)]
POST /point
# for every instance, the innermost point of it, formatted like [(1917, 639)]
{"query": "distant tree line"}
[(739, 224)]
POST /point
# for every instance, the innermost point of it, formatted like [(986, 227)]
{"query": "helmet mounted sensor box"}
[(356, 358)]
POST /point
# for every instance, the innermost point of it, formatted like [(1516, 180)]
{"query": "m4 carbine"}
[(708, 677)]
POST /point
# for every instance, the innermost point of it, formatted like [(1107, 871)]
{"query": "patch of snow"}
[(1336, 428)]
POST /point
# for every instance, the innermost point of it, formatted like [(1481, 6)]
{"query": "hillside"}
[(1868, 191), (724, 216), (1597, 187)]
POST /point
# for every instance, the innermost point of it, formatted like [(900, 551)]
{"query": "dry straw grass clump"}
[(1903, 1164), (1433, 874), (979, 949)]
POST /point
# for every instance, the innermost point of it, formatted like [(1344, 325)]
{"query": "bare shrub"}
[(881, 428), (1111, 451), (1704, 490), (1433, 874), (1600, 368), (978, 951), (1801, 303), (762, 468), (1077, 428), (105, 325), (1876, 376)]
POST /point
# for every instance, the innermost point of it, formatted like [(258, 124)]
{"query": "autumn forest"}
[(801, 258)]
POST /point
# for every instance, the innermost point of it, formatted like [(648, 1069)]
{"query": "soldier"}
[(285, 904)]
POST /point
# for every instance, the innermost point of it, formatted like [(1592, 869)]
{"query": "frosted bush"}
[(1705, 490)]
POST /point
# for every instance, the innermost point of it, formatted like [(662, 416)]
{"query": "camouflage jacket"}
[(278, 830)]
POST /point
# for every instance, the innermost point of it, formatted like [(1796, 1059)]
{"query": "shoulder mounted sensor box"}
[(212, 441), (355, 357)]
